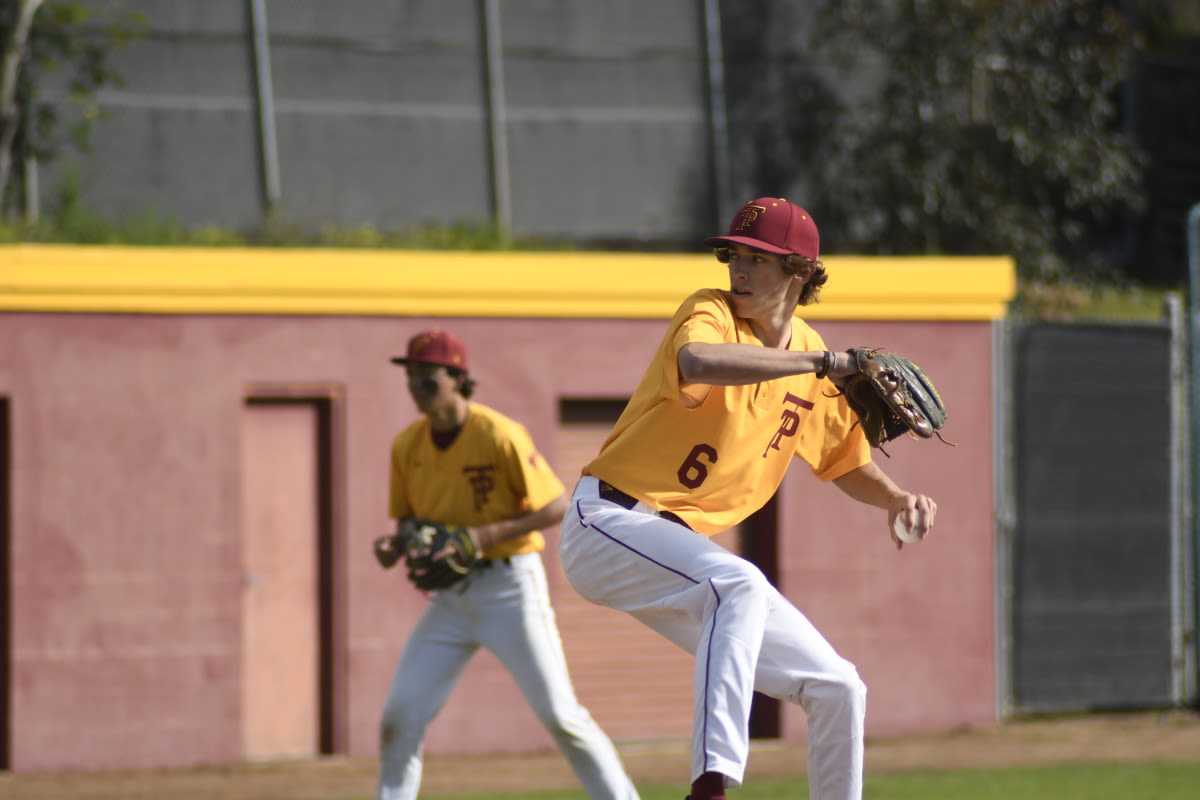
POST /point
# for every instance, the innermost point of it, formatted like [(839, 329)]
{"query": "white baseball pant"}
[(744, 634), (505, 608)]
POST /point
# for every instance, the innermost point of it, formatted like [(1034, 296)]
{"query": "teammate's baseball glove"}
[(437, 556), (892, 396), (388, 550)]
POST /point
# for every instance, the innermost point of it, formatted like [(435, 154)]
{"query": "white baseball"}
[(903, 532)]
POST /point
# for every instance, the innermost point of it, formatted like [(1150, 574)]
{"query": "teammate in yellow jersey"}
[(738, 388), (464, 464)]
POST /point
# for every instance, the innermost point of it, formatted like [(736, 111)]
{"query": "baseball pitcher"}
[(738, 389)]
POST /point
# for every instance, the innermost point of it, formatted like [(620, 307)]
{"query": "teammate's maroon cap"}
[(436, 347), (773, 225)]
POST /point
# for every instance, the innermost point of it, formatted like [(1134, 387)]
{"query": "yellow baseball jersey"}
[(713, 455), (491, 472)]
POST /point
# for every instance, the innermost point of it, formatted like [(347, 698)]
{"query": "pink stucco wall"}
[(918, 623), (125, 525)]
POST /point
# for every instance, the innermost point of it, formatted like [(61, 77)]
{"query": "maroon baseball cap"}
[(436, 347), (773, 225)]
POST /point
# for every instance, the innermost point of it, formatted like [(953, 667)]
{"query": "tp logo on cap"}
[(746, 217), (773, 225), (436, 347)]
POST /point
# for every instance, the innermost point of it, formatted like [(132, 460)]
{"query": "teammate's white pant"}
[(505, 608), (744, 633)]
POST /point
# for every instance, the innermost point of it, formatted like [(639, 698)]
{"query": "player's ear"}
[(801, 268)]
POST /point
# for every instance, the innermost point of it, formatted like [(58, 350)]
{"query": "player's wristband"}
[(826, 364)]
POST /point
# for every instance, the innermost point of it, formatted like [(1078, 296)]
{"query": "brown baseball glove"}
[(892, 397), (436, 555)]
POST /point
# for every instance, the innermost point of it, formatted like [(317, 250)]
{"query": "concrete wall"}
[(381, 117)]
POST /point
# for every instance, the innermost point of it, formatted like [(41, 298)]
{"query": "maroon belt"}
[(614, 495)]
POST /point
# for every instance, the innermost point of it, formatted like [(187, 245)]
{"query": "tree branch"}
[(10, 72)]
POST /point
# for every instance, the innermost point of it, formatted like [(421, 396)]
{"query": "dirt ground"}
[(1145, 736)]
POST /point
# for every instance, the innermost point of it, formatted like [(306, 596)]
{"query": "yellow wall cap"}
[(168, 280)]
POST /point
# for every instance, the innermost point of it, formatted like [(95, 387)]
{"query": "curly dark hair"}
[(793, 264), (811, 293)]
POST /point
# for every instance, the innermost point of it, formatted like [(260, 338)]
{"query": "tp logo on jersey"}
[(790, 423), (481, 482)]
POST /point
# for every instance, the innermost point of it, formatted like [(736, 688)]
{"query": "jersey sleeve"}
[(529, 472), (399, 506), (702, 318), (832, 442)]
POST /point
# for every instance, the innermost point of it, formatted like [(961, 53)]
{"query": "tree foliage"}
[(996, 130), (67, 46), (980, 126)]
